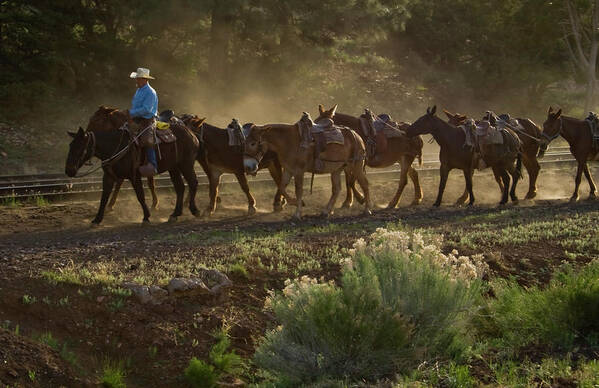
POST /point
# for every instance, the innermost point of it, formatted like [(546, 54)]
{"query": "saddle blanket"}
[(334, 135), (389, 127), (236, 139)]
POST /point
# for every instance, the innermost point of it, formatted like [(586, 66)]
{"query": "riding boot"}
[(150, 169)]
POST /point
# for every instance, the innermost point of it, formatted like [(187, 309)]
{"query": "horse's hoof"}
[(574, 199), (592, 197), (470, 205), (436, 204), (251, 210), (172, 219), (145, 223), (530, 195), (416, 202), (515, 200), (108, 210), (95, 224), (345, 205), (367, 212)]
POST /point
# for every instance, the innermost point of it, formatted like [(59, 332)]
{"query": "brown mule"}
[(285, 140), (453, 154), (217, 157), (103, 140), (402, 150), (578, 134), (530, 149)]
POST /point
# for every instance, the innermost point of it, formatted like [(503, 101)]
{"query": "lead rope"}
[(114, 158)]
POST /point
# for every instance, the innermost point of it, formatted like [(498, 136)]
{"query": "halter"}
[(556, 135), (88, 153)]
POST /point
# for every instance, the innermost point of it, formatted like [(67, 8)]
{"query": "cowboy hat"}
[(141, 73)]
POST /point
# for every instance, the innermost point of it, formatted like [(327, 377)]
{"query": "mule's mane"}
[(106, 113)]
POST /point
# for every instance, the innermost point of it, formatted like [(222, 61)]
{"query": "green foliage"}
[(563, 314), (200, 375), (113, 374), (390, 313), (48, 339), (28, 299)]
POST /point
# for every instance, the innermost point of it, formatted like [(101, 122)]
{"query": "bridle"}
[(89, 151), (555, 135)]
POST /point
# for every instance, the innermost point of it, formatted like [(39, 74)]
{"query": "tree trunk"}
[(220, 40)]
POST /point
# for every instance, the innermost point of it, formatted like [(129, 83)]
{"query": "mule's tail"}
[(519, 166)]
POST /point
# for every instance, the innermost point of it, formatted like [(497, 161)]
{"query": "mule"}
[(400, 150), (578, 135), (453, 154), (216, 157), (532, 150), (286, 141), (122, 158)]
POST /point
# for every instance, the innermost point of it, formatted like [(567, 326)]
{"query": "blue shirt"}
[(144, 103)]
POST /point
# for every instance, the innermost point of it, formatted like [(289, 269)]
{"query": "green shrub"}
[(203, 375), (563, 314), (113, 375), (401, 301), (200, 375)]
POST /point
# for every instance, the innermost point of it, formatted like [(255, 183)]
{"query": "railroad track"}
[(58, 185)]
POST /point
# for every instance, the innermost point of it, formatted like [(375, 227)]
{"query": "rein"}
[(116, 155)]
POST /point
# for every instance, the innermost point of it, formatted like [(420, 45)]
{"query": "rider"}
[(144, 108)]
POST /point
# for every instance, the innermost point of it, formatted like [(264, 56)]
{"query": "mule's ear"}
[(448, 114), (200, 121), (558, 114), (333, 110), (434, 110), (550, 111), (320, 109), (81, 131), (71, 134)]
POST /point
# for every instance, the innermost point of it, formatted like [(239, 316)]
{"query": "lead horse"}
[(578, 135), (400, 150), (286, 141), (122, 158)]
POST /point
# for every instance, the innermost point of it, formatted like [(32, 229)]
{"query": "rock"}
[(142, 293), (214, 280), (3, 154), (158, 294), (179, 285)]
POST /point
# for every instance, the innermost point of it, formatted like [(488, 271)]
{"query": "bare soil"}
[(157, 341)]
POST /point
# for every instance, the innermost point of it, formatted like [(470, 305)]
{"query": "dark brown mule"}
[(453, 154), (103, 140), (530, 149), (285, 140), (578, 134), (216, 157), (400, 150)]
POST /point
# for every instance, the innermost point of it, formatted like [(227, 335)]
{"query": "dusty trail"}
[(96, 324)]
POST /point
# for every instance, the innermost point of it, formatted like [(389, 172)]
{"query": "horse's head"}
[(81, 150), (455, 119), (328, 114), (552, 127), (424, 124), (254, 149)]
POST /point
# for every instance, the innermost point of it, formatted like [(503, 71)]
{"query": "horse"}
[(121, 159), (453, 154), (400, 149), (216, 157), (531, 147), (286, 141), (578, 135)]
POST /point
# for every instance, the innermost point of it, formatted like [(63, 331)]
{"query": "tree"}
[(581, 36)]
